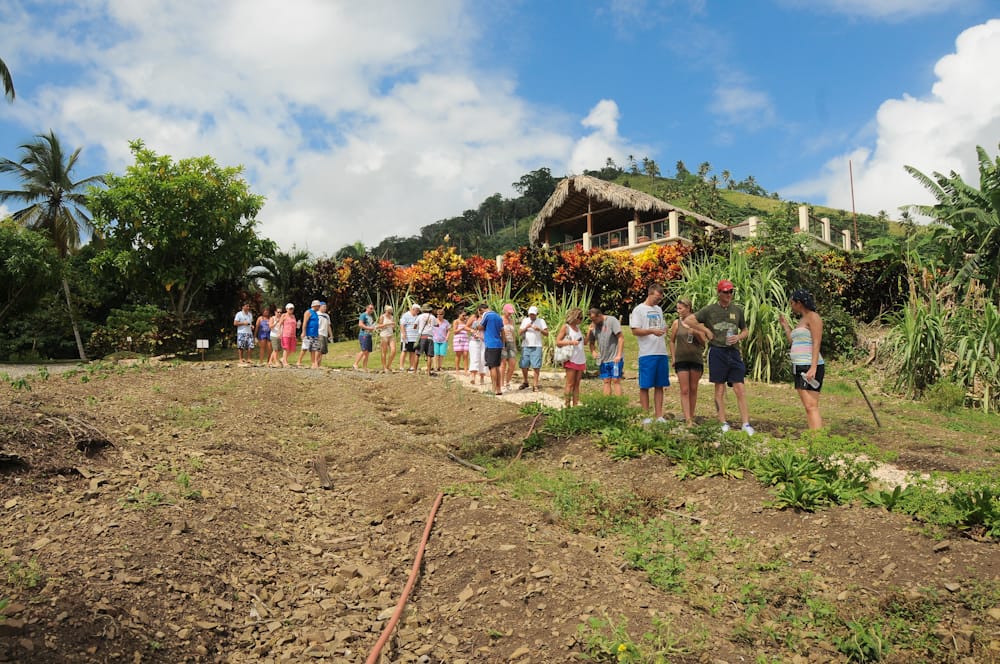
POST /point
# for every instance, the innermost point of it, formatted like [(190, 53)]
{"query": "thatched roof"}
[(573, 195)]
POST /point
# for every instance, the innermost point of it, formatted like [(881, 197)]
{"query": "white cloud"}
[(936, 133), (880, 9), (593, 150), (356, 120), (737, 104)]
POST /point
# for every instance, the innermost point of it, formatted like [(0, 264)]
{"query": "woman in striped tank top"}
[(807, 363)]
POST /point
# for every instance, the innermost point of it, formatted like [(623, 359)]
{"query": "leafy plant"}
[(865, 641)]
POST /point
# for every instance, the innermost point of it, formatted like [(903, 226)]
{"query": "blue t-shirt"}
[(492, 326), (312, 325), (367, 320)]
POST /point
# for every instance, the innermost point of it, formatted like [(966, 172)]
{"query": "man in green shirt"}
[(725, 323)]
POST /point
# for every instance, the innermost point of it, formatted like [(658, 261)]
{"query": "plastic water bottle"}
[(811, 382)]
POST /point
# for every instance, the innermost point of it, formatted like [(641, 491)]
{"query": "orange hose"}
[(401, 604)]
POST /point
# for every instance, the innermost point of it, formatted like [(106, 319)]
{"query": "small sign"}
[(202, 343), (128, 339)]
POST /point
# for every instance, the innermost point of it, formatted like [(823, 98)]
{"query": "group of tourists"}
[(486, 342), (719, 327), (276, 334)]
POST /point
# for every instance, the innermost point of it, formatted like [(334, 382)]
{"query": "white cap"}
[(532, 310), (289, 306), (315, 303)]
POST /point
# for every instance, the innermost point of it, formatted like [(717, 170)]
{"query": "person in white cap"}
[(288, 327), (533, 329), (310, 336)]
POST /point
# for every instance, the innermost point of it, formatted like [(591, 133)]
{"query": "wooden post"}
[(590, 221)]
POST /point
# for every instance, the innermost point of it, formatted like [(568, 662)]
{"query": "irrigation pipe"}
[(410, 582)]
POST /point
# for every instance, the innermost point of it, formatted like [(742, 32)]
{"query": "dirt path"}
[(202, 533)]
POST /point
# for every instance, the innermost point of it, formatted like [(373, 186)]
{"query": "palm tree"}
[(282, 271), (8, 81), (969, 239), (55, 203)]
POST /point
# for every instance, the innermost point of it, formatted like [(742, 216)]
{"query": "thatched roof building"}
[(610, 207)]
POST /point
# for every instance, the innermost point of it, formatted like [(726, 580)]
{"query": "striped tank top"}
[(802, 347)]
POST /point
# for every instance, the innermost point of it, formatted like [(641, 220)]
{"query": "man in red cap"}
[(725, 323)]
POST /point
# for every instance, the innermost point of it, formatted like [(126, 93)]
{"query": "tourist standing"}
[(460, 340), (649, 328), (492, 326), (607, 345), (508, 358), (262, 331), (440, 334), (533, 329), (310, 335), (325, 331), (289, 326), (409, 336), (366, 325), (687, 347), (243, 321), (425, 338), (808, 367), (387, 338), (274, 359), (570, 335), (727, 327), (477, 361)]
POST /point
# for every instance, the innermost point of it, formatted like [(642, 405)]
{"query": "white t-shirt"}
[(645, 317), (532, 336), (246, 322)]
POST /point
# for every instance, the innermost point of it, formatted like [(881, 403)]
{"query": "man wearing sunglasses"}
[(725, 323)]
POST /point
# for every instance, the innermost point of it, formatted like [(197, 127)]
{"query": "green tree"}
[(28, 266), (650, 168), (285, 272), (355, 250), (968, 241), (538, 186), (8, 81), (55, 203), (176, 228)]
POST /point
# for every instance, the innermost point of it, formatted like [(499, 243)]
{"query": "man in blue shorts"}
[(533, 329), (725, 323), (649, 328), (607, 345)]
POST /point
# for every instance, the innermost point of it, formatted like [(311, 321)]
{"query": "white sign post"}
[(202, 345)]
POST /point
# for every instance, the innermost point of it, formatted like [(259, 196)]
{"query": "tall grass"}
[(917, 344), (553, 308), (762, 295), (977, 354)]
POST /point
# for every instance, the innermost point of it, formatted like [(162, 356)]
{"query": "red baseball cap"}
[(724, 284)]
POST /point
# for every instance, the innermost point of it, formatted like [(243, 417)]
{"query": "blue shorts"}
[(531, 357), (725, 365), (366, 343), (654, 371), (612, 370), (440, 348)]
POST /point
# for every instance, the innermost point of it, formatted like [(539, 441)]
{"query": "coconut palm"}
[(8, 81), (55, 204), (282, 271), (969, 238)]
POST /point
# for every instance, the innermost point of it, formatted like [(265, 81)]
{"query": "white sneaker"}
[(646, 422), (747, 429), (661, 420), (725, 427)]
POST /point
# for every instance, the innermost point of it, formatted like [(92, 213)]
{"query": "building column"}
[(803, 219), (586, 241), (500, 263), (633, 233), (752, 226), (674, 222), (847, 240), (826, 229)]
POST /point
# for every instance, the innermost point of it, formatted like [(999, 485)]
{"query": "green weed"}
[(610, 641)]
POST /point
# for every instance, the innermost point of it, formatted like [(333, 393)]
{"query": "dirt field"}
[(172, 513)]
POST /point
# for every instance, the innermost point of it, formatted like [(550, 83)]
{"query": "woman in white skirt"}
[(477, 350)]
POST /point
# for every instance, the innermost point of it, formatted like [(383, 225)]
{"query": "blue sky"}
[(362, 120)]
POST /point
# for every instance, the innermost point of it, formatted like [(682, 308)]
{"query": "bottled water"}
[(811, 382)]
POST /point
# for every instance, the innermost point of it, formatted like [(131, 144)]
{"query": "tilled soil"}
[(174, 514)]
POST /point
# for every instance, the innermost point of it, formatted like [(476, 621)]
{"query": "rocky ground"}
[(174, 513)]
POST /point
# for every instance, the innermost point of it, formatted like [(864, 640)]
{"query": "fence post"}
[(847, 240), (674, 224), (752, 226), (586, 241), (500, 263), (826, 229), (633, 233), (803, 219)]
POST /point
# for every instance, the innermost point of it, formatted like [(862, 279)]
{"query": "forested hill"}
[(501, 223)]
